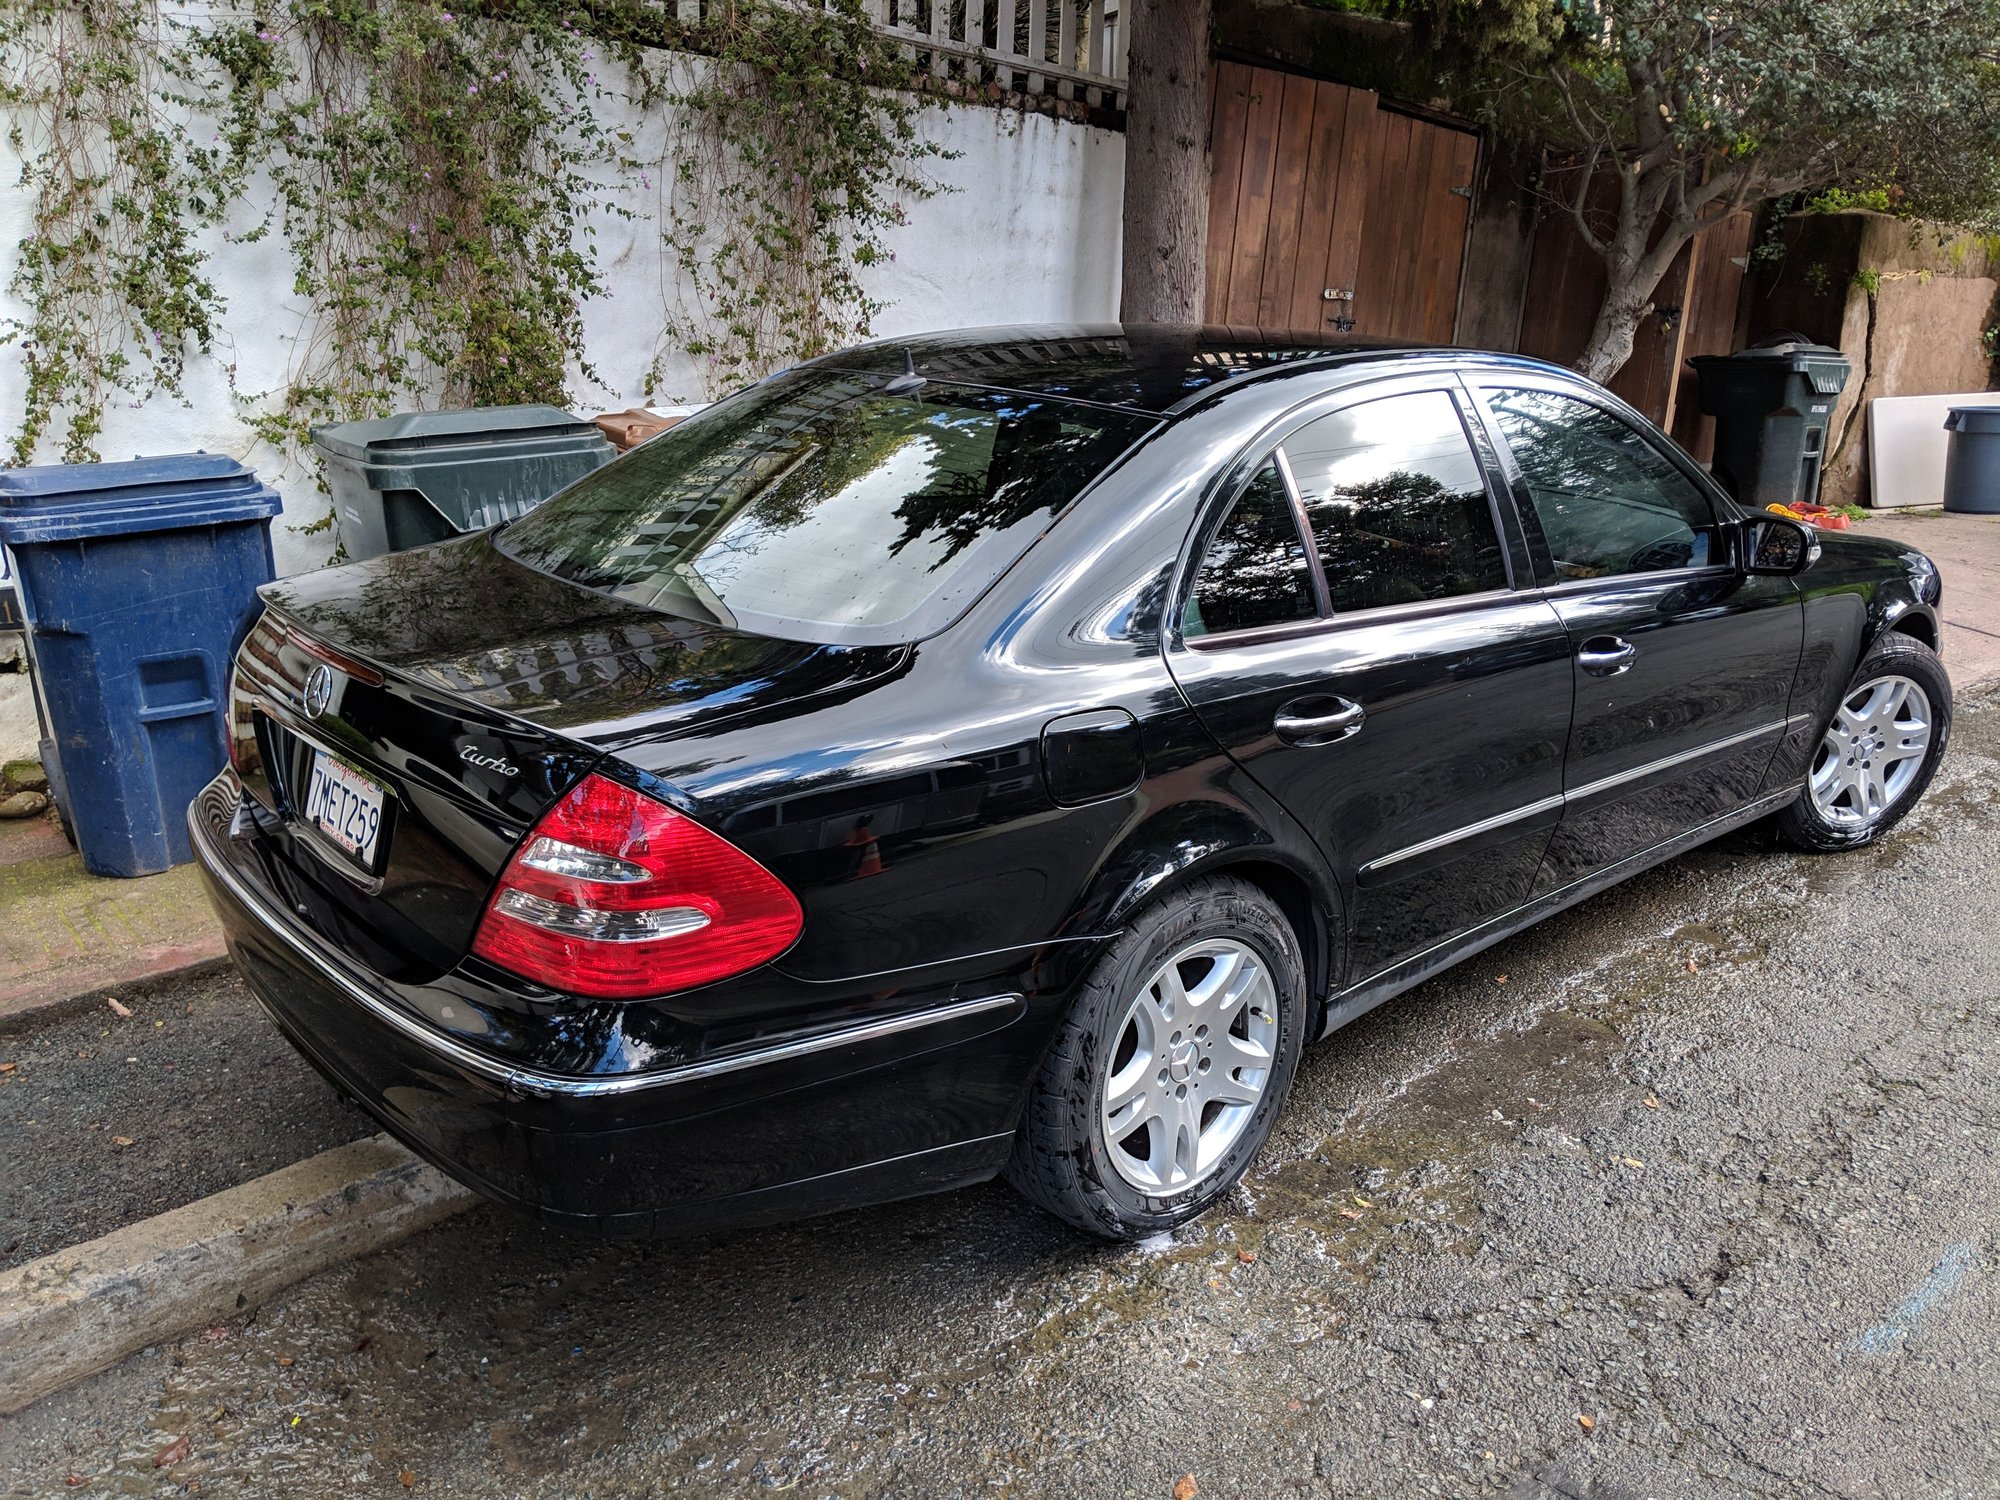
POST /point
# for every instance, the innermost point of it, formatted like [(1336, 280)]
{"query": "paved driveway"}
[(1691, 1191), (1967, 552)]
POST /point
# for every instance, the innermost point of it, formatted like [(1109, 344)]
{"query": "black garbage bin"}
[(1972, 460), (426, 476), (1773, 408)]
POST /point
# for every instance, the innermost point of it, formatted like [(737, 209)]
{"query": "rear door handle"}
[(1606, 655), (1318, 721)]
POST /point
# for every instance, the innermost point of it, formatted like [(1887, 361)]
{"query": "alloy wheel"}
[(1872, 752), (1190, 1062)]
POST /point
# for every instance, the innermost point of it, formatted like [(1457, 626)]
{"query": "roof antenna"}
[(908, 381)]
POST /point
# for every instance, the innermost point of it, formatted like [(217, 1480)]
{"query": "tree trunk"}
[(1611, 337), (1165, 257)]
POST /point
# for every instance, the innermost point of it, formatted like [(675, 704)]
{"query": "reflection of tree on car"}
[(1606, 502), (1397, 539), (771, 504)]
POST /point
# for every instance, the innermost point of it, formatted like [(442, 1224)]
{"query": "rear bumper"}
[(917, 1100)]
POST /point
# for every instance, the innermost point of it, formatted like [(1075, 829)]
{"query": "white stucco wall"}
[(1028, 233)]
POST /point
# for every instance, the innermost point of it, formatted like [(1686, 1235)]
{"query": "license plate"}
[(345, 806)]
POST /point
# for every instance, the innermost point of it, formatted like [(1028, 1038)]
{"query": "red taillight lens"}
[(617, 896)]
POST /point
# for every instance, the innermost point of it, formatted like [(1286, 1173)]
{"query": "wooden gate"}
[(1328, 210)]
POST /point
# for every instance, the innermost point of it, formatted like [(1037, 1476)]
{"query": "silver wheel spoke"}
[(1131, 1100), (1241, 1052), (1182, 1058), (1872, 753), (1873, 798), (1228, 1090), (1228, 970)]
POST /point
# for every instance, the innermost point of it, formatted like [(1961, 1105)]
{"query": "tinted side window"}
[(1608, 501), (1254, 572), (1396, 503)]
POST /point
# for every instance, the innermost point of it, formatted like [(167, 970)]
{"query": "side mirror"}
[(1775, 546)]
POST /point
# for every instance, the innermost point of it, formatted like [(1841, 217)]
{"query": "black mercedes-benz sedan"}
[(1004, 751)]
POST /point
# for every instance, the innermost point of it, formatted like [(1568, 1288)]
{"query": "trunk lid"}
[(465, 693)]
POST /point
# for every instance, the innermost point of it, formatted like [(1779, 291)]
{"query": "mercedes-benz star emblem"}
[(318, 691)]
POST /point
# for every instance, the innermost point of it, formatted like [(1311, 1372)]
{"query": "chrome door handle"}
[(1331, 719), (1606, 655)]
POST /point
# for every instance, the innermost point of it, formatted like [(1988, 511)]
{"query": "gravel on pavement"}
[(107, 1118)]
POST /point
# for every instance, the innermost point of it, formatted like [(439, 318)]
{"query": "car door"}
[(1684, 663), (1348, 630)]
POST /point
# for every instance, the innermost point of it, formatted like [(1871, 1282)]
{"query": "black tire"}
[(1061, 1158), (1803, 824)]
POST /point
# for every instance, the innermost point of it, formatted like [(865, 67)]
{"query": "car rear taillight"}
[(617, 896)]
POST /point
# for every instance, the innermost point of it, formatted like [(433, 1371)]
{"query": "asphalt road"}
[(1704, 1199), (108, 1118)]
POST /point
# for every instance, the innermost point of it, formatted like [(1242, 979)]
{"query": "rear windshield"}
[(817, 507)]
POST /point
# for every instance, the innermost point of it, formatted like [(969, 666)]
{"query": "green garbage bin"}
[(426, 476), (1773, 408)]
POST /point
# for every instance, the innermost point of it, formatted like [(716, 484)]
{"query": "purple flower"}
[(444, 15), (471, 89), (413, 228)]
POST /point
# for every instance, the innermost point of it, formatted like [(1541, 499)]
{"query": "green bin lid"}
[(376, 437), (1826, 369)]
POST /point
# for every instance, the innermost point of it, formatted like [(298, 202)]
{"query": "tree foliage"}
[(1696, 108)]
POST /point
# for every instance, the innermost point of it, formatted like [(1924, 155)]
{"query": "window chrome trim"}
[(1416, 609), (1228, 483), (1322, 591), (1571, 587), (534, 1080)]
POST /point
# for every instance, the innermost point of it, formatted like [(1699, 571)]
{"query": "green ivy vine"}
[(434, 167), (113, 270), (798, 152), (432, 173)]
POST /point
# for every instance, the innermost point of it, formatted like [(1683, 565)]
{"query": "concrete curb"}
[(79, 1310), (17, 1012)]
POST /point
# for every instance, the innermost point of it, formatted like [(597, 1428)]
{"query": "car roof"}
[(1163, 369)]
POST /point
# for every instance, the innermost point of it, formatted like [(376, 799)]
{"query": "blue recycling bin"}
[(137, 580)]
